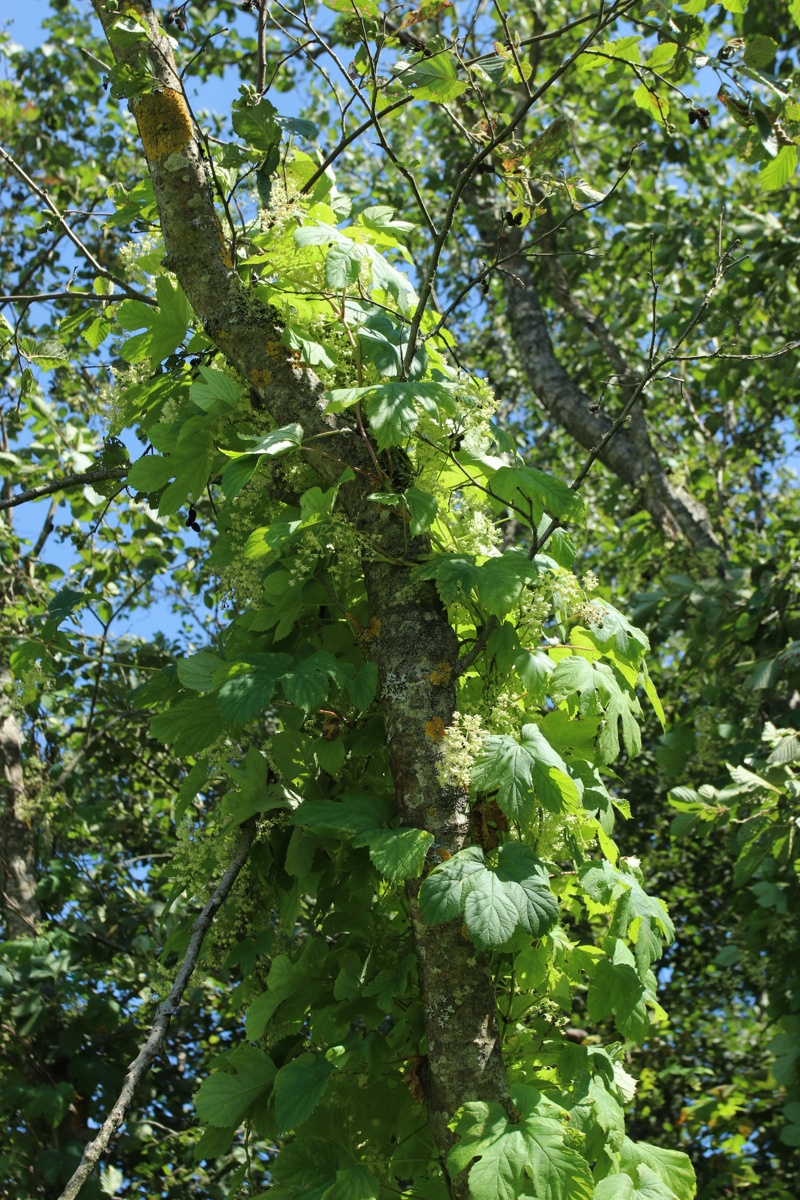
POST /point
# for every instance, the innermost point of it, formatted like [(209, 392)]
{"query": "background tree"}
[(323, 421)]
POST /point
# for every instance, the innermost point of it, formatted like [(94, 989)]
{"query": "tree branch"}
[(66, 481), (40, 297), (634, 461), (166, 1010), (42, 195)]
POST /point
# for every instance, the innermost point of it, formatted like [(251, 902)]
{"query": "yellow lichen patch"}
[(164, 123), (434, 729), (260, 378), (372, 631), (274, 349), (225, 254), (440, 675)]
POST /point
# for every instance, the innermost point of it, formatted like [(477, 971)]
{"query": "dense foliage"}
[(434, 398)]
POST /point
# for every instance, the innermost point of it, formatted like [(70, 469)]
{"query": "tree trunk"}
[(414, 636), (20, 910)]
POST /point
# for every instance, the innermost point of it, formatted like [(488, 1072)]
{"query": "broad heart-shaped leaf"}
[(573, 674), (494, 901), (189, 726), (248, 692), (313, 353), (531, 492), (298, 982), (356, 813), (214, 388), (391, 407), (523, 773), (620, 714), (501, 580), (321, 1168), (306, 685), (151, 472), (384, 343), (648, 1186), (165, 326), (226, 1096), (518, 864), (534, 669), (611, 629), (607, 884), (343, 266), (361, 685), (444, 892), (197, 672), (504, 766), (432, 78), (490, 913), (673, 1167), (256, 124), (298, 1089), (617, 988), (527, 1159), (455, 575), (391, 413), (422, 508), (397, 853)]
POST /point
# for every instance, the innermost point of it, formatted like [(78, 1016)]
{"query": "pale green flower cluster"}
[(240, 583), (303, 562), (476, 404), (461, 744), (566, 591), (504, 714), (473, 529), (112, 394), (139, 256), (534, 609), (552, 832), (285, 204)]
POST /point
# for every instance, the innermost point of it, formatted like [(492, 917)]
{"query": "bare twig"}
[(261, 42), (66, 481), (739, 357), (44, 533), (166, 1010), (42, 195), (466, 661), (655, 365), (40, 297), (502, 135)]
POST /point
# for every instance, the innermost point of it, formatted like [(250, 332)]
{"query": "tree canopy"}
[(399, 728)]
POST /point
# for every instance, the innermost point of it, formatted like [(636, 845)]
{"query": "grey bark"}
[(18, 904), (630, 453)]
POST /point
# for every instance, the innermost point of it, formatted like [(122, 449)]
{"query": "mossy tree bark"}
[(414, 639)]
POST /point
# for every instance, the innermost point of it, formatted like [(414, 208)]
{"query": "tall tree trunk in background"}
[(20, 911)]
